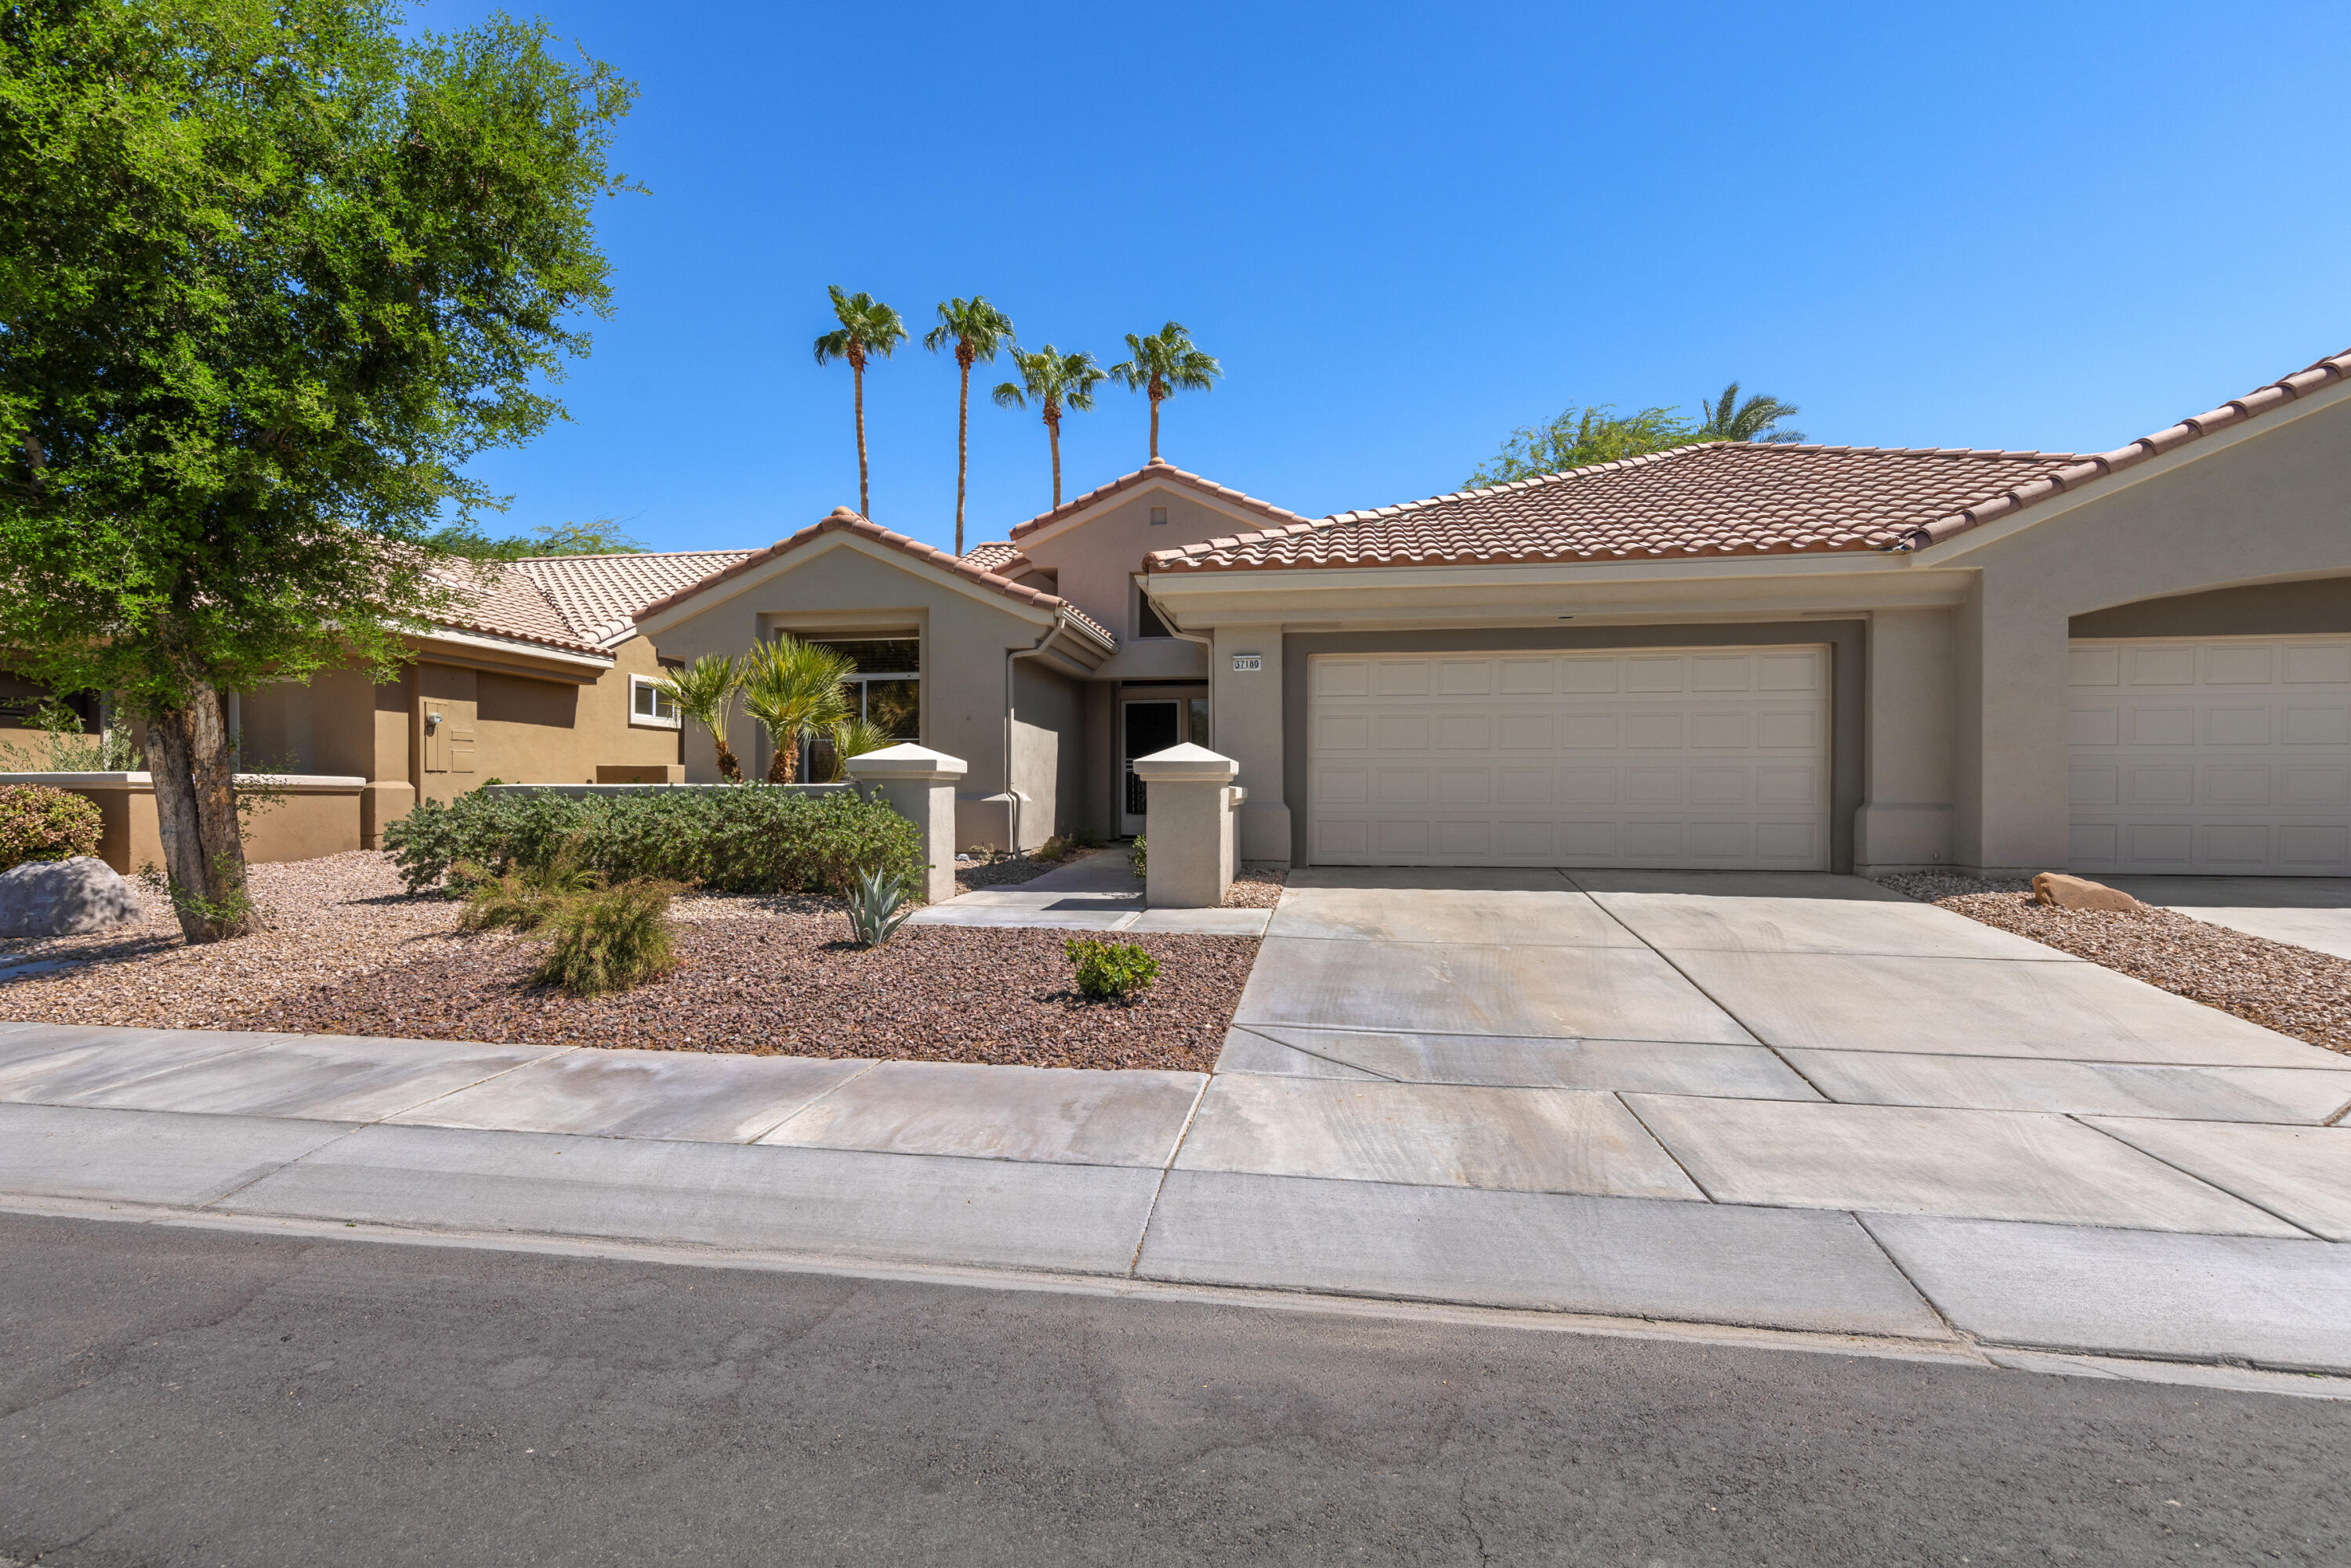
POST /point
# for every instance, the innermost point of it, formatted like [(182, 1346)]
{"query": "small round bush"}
[(1110, 971), (41, 824)]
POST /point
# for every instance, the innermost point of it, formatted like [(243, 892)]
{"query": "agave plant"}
[(877, 907)]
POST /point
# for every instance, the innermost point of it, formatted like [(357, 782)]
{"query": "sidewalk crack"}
[(1151, 1211)]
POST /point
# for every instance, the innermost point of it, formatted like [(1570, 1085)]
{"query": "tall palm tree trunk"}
[(1053, 436), (963, 437), (857, 376), (1154, 426)]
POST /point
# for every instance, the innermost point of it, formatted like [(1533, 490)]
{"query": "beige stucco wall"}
[(1093, 559), (850, 588), (306, 821), (1905, 823), (2272, 500)]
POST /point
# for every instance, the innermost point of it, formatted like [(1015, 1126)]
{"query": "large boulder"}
[(2055, 888), (64, 898)]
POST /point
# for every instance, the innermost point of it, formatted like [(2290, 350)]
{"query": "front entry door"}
[(1148, 728)]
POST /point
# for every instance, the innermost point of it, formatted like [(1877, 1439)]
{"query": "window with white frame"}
[(649, 706)]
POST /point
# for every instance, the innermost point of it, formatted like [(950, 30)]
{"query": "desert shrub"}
[(1141, 855), (745, 837), (878, 905), (1110, 971), (41, 824), (523, 897), (609, 938)]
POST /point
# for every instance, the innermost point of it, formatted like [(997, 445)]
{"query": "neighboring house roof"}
[(843, 520), (2326, 372), (600, 595), (1157, 470), (994, 556), (1723, 498)]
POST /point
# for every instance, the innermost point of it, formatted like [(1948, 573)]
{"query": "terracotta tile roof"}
[(599, 595), (843, 520), (1158, 470), (994, 555), (2328, 372), (497, 599), (1721, 499)]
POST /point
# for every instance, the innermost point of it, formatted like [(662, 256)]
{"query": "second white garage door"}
[(1711, 759)]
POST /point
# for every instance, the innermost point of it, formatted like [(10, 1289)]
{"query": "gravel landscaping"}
[(349, 951), (2290, 990), (1257, 884), (790, 985)]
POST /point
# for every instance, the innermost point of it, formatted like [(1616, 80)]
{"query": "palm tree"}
[(978, 329), (868, 328), (854, 737), (1057, 380), (1161, 365), (793, 686), (705, 692), (1727, 419)]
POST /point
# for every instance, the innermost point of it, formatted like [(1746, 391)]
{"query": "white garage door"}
[(2229, 755), (1713, 758)]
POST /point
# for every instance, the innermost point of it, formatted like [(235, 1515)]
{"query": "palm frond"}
[(970, 324), (868, 328)]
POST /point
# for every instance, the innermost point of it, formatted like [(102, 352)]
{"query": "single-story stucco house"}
[(1724, 656)]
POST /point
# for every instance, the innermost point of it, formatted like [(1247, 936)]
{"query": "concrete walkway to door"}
[(2051, 1153)]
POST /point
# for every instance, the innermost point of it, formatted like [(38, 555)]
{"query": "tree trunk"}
[(729, 770), (1154, 426), (963, 445), (193, 765), (785, 761), (1053, 436), (857, 377)]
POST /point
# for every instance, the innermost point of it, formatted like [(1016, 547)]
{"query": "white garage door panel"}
[(1698, 757), (2227, 755)]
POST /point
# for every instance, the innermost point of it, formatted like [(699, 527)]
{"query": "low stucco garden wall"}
[(312, 815)]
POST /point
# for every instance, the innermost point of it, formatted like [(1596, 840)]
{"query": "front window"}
[(885, 691), (649, 706)]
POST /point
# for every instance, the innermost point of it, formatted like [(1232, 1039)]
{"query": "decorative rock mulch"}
[(2290, 990), (792, 984), (1257, 884)]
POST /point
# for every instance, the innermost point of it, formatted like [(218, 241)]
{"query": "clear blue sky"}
[(1405, 230)]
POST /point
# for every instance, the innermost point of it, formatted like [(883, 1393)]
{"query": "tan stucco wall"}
[(2273, 503), (1095, 558), (845, 591), (1906, 824), (304, 824)]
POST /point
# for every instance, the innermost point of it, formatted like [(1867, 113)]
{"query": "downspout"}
[(1012, 796)]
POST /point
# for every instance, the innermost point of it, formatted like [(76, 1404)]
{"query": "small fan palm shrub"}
[(1110, 971), (705, 691), (609, 938), (855, 737), (793, 687), (878, 905)]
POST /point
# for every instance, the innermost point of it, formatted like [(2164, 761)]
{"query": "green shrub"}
[(743, 838), (1141, 855), (41, 824), (1110, 971), (609, 938), (878, 905)]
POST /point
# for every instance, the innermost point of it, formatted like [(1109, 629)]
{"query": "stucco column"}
[(2013, 646), (1906, 820), (1245, 674), (1192, 805), (919, 784)]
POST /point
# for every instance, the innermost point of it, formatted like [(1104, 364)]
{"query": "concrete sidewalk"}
[(1099, 892), (1137, 1177)]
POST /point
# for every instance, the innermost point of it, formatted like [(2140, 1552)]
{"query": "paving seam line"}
[(552, 1052), (2199, 1178), (1333, 1061), (1618, 1095), (829, 1090), (1151, 1210)]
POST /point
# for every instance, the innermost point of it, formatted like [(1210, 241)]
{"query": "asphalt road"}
[(207, 1398)]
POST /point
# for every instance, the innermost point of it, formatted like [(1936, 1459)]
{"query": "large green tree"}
[(271, 272), (868, 329), (1162, 364), (977, 332), (1057, 381), (1579, 437), (602, 536)]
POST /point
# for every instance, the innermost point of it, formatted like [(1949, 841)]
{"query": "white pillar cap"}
[(1186, 764), (906, 760)]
